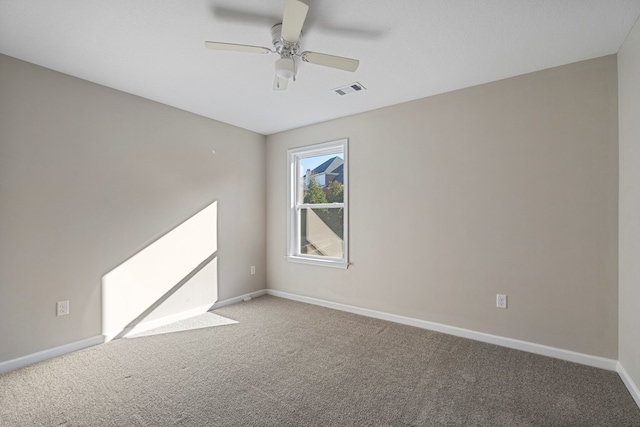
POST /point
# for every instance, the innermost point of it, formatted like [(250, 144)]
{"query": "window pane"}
[(323, 179), (322, 232)]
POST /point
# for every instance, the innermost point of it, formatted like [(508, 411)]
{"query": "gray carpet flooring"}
[(290, 364)]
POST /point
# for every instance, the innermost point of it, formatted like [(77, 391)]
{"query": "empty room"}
[(319, 212)]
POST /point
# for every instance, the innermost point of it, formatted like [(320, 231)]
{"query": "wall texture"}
[(88, 177), (629, 93), (509, 187)]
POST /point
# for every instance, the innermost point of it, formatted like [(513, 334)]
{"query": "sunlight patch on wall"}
[(173, 278)]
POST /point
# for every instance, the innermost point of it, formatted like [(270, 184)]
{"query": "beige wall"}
[(89, 176), (629, 93), (509, 187)]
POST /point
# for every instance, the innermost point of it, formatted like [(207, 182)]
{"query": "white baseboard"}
[(558, 353), (41, 356), (631, 386), (156, 323), (238, 299)]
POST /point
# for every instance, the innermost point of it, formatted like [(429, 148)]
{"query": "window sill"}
[(313, 261)]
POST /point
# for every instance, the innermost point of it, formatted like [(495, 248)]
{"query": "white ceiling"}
[(408, 49)]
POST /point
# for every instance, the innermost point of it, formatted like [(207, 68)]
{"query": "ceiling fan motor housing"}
[(284, 48)]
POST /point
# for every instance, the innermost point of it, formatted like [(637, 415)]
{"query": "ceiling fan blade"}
[(236, 47), (332, 61), (295, 12), (280, 84)]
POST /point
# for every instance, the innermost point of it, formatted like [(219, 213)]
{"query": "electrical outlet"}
[(501, 301), (253, 269), (62, 308)]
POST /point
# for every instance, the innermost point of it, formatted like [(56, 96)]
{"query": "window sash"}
[(296, 192)]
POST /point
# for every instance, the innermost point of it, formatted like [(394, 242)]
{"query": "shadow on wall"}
[(173, 278)]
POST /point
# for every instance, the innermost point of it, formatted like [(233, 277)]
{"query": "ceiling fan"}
[(286, 43)]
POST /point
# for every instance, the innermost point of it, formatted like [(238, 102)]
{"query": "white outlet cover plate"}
[(501, 301), (62, 308)]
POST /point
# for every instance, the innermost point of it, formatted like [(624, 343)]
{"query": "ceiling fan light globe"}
[(284, 68)]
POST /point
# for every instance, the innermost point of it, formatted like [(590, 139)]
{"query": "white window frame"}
[(295, 206)]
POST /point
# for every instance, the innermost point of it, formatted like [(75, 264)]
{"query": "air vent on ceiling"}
[(351, 88)]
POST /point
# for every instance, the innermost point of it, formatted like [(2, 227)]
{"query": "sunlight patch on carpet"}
[(204, 320)]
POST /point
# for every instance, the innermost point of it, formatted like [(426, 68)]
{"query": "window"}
[(318, 204)]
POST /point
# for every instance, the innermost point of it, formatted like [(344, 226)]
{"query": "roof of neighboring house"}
[(330, 166), (333, 166)]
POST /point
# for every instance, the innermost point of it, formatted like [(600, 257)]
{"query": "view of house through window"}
[(318, 209), (322, 230)]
